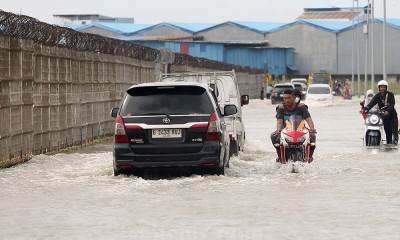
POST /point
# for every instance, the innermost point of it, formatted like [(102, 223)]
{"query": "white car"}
[(225, 87), (319, 92)]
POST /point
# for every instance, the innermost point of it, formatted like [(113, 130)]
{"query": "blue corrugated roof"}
[(193, 27), (261, 27), (330, 26), (121, 28), (264, 27), (392, 22), (73, 26), (186, 27)]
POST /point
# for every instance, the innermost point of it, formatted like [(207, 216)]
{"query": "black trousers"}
[(391, 129)]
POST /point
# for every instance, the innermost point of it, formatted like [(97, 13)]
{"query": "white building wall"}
[(345, 49), (315, 49)]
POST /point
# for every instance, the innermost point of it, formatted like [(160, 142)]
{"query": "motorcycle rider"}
[(386, 102), (290, 107), (297, 99)]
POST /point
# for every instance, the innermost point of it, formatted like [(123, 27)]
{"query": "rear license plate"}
[(166, 133), (280, 95)]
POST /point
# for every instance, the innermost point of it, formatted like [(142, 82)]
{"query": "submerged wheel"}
[(116, 172), (373, 141), (294, 155)]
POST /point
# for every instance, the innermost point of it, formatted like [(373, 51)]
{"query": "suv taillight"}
[(213, 133), (120, 133)]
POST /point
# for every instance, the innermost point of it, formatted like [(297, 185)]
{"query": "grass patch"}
[(393, 87)]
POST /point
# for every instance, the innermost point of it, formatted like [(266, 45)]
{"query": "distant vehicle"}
[(268, 91), (170, 124), (302, 88), (226, 90), (319, 92), (320, 78), (277, 93), (299, 80)]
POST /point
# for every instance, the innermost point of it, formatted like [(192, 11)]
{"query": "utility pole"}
[(384, 40), (358, 49), (372, 44), (366, 49), (352, 51)]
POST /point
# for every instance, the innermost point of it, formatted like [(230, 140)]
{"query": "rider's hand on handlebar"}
[(312, 130), (277, 132)]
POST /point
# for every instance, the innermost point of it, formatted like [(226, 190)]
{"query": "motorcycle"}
[(373, 130), (295, 141)]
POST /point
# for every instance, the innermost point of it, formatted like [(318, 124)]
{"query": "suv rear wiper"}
[(155, 113)]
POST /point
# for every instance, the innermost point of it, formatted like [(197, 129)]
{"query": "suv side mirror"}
[(114, 112), (244, 99), (230, 110)]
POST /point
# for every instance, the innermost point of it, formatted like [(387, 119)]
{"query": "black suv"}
[(170, 125), (277, 92)]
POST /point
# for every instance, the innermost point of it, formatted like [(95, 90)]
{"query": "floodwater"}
[(349, 192)]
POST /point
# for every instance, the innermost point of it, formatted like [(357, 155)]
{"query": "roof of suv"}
[(319, 85), (168, 84), (284, 85)]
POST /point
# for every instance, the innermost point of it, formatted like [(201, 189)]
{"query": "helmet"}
[(370, 91), (383, 83)]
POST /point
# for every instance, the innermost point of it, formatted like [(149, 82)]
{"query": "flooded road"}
[(348, 192)]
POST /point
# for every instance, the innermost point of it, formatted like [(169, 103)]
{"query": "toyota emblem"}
[(166, 120)]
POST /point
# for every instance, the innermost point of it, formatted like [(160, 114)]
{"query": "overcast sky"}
[(191, 11)]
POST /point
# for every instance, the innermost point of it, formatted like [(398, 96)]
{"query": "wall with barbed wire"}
[(57, 86)]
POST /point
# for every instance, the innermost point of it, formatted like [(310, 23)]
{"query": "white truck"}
[(227, 92)]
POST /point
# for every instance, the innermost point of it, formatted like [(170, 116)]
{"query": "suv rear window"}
[(319, 90), (298, 87), (282, 88), (174, 100)]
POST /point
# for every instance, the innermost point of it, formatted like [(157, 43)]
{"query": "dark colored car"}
[(170, 125), (277, 93)]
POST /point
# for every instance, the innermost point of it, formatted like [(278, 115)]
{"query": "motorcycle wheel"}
[(294, 155), (373, 141)]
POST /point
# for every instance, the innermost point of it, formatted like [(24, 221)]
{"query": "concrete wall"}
[(315, 49), (52, 98)]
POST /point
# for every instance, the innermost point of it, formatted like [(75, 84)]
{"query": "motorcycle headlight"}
[(374, 119), (301, 139), (288, 138)]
